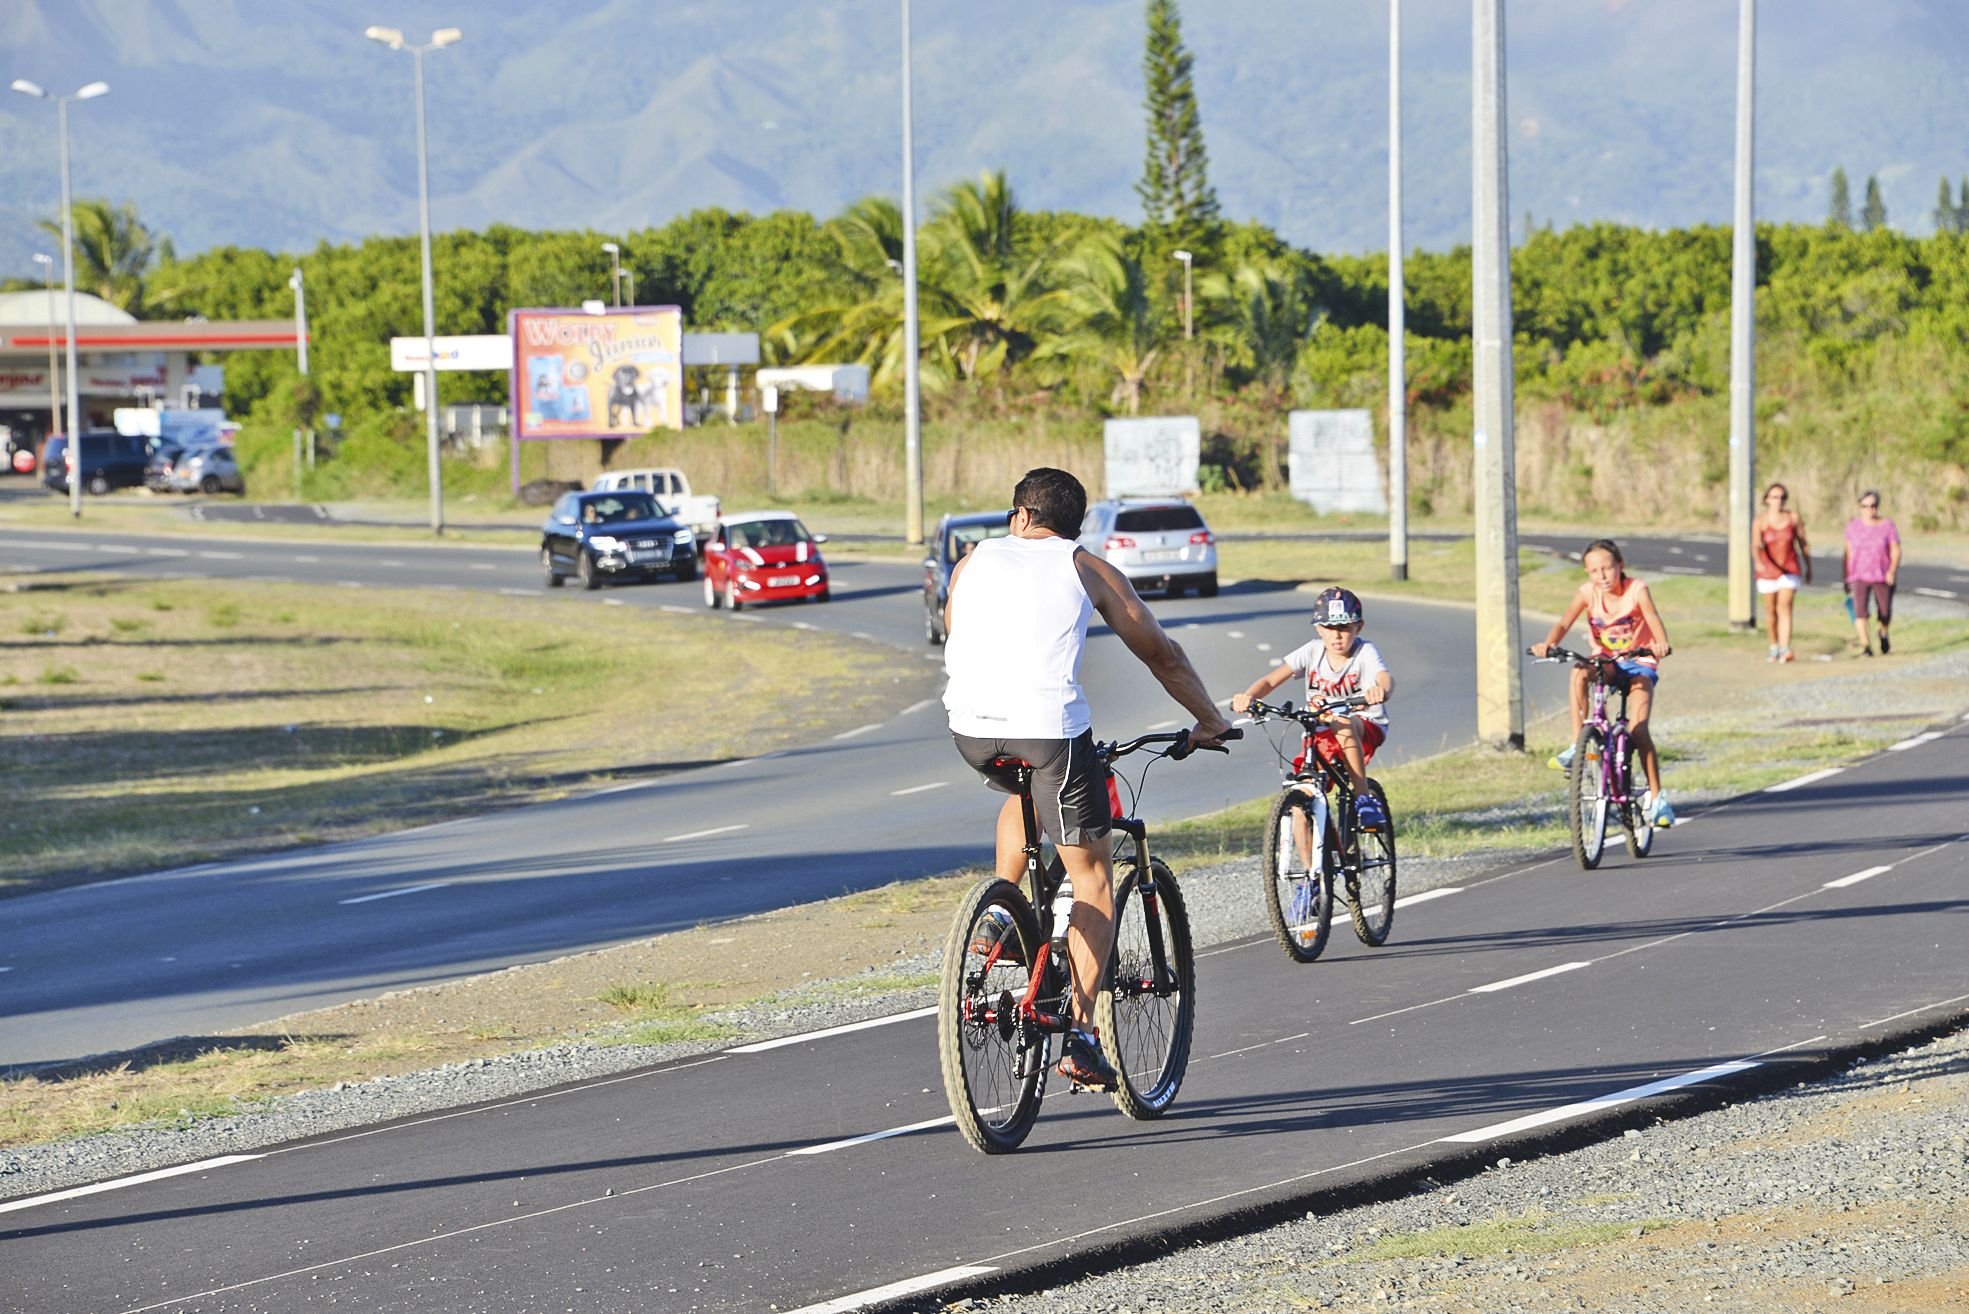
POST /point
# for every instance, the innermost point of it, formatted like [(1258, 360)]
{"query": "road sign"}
[(477, 351)]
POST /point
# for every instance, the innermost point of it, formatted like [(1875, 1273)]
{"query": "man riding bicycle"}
[(1017, 621)]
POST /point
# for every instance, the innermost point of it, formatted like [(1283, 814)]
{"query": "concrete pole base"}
[(1398, 573)]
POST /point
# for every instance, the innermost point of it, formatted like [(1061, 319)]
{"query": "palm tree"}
[(113, 252), (986, 303), (1113, 320), (1258, 316), (861, 319)]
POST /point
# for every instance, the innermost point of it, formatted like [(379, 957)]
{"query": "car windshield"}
[(767, 533), (1157, 519), (962, 538), (619, 507)]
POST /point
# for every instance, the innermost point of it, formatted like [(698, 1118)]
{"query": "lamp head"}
[(43, 258), (389, 36), (1183, 256), (27, 88), (611, 248), (93, 90), (294, 280), (445, 36)]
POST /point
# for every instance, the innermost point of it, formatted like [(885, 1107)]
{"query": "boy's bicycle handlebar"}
[(1178, 741)]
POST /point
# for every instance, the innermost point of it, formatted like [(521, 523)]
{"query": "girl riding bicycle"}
[(1621, 618)]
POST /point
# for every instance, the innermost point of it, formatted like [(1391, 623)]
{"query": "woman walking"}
[(1782, 557), (1873, 559)]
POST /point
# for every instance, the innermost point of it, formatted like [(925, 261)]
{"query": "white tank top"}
[(1018, 623)]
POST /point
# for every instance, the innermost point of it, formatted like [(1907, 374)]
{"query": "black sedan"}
[(956, 535), (616, 535)]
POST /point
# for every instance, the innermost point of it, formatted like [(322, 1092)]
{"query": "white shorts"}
[(1781, 582)]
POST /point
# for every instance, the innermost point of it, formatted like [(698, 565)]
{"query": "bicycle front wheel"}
[(1586, 809), (1374, 889), (1298, 894), (994, 1064), (1148, 1010), (1633, 817)]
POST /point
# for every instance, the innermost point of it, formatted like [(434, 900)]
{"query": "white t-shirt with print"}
[(1325, 680)]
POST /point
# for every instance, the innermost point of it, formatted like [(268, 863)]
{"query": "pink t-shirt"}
[(1867, 555)]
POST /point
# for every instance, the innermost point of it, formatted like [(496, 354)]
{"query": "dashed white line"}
[(222, 556), (1602, 1102), (481, 565), (859, 730), (1811, 778), (703, 834), (391, 894), (782, 1042), (167, 552), (804, 625), (1163, 725), (861, 634), (386, 561), (1234, 634), (611, 602), (918, 789), (74, 1192), (906, 1287), (1527, 978), (1857, 877), (916, 707), (946, 1121), (312, 561), (671, 606), (1915, 742), (1374, 910), (518, 593), (1264, 647), (1926, 592)]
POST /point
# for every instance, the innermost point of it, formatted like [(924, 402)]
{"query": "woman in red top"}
[(1781, 555)]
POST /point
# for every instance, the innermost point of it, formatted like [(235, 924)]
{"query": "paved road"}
[(118, 964), (803, 1176)]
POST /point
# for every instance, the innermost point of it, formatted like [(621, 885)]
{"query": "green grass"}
[(654, 1017)]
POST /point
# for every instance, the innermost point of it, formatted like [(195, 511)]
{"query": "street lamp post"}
[(75, 425), (441, 38), (629, 277), (1397, 341), (54, 373), (912, 400), (1189, 325), (615, 270), (301, 356), (1743, 333)]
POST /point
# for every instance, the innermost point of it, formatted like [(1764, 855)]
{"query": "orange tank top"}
[(1617, 623), (1780, 555)]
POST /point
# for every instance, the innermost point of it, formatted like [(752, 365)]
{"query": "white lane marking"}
[(1811, 778), (1602, 1102), (1164, 725), (1264, 647), (702, 834), (351, 584), (760, 1047), (222, 556), (671, 606), (167, 552), (391, 894), (1374, 909), (611, 602), (947, 1120), (858, 730), (6, 969), (803, 625), (518, 593), (1702, 556), (1857, 877), (386, 561), (1915, 742), (1234, 634), (1926, 592), (481, 565), (906, 1287), (1895, 1017), (1681, 570), (75, 1192), (312, 561), (861, 634), (1527, 978), (918, 789), (916, 707), (48, 547)]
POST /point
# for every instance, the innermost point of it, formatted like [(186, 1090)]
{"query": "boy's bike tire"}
[(1147, 1012), (993, 1105), (1586, 804), (1374, 886), (1302, 934)]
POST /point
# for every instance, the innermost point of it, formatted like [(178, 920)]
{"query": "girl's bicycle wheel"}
[(1586, 802), (1298, 897), (1633, 817), (1148, 1009), (1373, 890), (994, 1068)]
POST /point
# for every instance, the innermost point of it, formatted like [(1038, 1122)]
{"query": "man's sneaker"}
[(1082, 1062), (1369, 812), (1661, 812), (1885, 647), (1561, 760), (992, 930)]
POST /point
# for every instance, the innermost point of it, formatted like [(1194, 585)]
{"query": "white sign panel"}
[(1152, 456), (721, 348), (1334, 468), (477, 351)]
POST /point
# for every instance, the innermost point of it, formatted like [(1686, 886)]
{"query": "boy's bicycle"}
[(1007, 980), (1601, 780), (1298, 897)]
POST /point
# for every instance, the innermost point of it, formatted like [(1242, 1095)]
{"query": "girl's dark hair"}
[(1778, 488), (1607, 546)]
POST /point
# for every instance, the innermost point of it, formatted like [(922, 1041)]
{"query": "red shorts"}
[(1328, 747)]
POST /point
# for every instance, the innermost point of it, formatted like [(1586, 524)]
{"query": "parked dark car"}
[(956, 535), (617, 535), (109, 460)]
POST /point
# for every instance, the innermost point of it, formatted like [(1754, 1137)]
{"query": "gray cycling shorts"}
[(1069, 790)]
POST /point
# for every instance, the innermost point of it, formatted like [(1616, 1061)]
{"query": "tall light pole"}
[(1743, 333), (1500, 687), (301, 357), (615, 269), (441, 38), (629, 277), (75, 424), (1397, 327), (912, 442), (54, 373), (1189, 324)]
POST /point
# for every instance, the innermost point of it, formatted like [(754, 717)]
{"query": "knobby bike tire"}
[(1373, 889), (1148, 1010), (1633, 817), (1300, 902), (1586, 804), (993, 1104)]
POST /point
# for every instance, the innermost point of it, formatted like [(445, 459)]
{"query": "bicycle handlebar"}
[(1178, 740), (1308, 717), (1555, 653)]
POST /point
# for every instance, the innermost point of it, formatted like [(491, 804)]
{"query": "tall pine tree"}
[(1946, 219), (1175, 186), (1962, 209), (1873, 216), (1839, 213)]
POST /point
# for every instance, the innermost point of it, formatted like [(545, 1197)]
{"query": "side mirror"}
[(564, 520)]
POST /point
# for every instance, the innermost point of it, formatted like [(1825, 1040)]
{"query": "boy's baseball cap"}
[(1337, 606)]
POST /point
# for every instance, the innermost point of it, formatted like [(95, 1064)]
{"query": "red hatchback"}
[(763, 556)]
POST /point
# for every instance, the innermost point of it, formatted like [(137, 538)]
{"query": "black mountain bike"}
[(1007, 979), (1298, 891)]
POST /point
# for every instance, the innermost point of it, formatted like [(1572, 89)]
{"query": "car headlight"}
[(605, 543), (681, 536)]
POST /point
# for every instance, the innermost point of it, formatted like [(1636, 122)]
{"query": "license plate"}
[(658, 555), (1163, 554), (781, 581)]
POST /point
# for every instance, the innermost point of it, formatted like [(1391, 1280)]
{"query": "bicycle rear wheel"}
[(1586, 803), (994, 1066), (1373, 889), (1148, 1009), (1299, 899), (1633, 817)]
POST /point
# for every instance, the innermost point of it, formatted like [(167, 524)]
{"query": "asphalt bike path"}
[(123, 963), (822, 1172)]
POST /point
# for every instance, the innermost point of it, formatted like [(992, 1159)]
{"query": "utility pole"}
[(54, 370), (301, 359), (1187, 260), (1397, 343), (1500, 685), (912, 399), (1743, 333)]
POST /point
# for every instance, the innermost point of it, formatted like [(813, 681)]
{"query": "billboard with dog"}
[(617, 374)]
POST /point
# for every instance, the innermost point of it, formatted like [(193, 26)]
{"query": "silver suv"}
[(1157, 544)]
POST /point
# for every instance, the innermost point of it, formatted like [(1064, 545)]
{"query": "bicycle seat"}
[(1011, 762)]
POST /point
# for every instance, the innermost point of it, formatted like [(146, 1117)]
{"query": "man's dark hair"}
[(1055, 498)]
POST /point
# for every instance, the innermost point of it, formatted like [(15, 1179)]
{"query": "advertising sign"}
[(1152, 456), (618, 374), (1333, 463), (477, 351)]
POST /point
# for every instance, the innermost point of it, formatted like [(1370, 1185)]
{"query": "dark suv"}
[(109, 460)]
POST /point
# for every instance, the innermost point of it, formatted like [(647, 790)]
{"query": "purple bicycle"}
[(1601, 780)]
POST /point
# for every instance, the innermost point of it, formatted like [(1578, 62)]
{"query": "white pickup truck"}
[(698, 510)]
